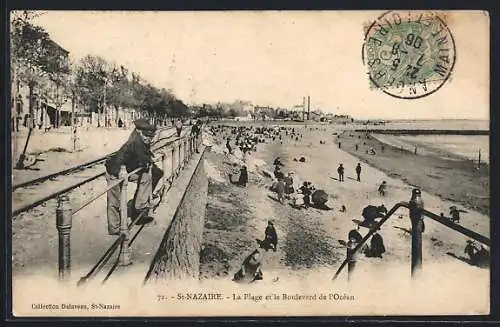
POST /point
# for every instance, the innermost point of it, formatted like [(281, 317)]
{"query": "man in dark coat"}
[(358, 172), (196, 130), (178, 127), (340, 171), (135, 153)]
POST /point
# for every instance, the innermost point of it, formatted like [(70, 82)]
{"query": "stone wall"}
[(179, 254)]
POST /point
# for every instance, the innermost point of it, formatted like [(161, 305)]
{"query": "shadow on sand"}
[(468, 261)]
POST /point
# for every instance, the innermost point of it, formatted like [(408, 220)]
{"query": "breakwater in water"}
[(424, 131)]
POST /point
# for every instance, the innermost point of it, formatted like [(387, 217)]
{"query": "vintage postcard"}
[(250, 163)]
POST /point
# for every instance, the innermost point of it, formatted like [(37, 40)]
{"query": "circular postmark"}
[(409, 54)]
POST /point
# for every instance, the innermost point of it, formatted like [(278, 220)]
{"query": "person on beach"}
[(340, 171), (289, 189), (270, 238), (455, 214), (358, 172), (278, 174), (178, 127), (377, 247), (371, 212), (306, 193), (243, 180), (382, 189), (280, 190), (135, 153), (478, 255), (228, 146), (250, 270)]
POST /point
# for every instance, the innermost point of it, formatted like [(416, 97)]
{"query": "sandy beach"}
[(310, 241), (453, 179)]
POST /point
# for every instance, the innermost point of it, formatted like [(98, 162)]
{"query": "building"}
[(263, 112), (52, 106)]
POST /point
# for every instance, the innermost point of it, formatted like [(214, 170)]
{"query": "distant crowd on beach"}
[(303, 195)]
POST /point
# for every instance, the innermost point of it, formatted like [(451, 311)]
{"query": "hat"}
[(144, 126)]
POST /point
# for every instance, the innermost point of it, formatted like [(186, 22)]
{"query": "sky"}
[(273, 58)]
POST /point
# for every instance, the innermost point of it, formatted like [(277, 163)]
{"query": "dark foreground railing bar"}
[(102, 261), (467, 232), (123, 240), (370, 233), (107, 255), (115, 265), (416, 256)]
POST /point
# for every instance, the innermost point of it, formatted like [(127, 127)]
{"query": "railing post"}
[(150, 172), (180, 160), (416, 208), (64, 217), (186, 154), (351, 258), (172, 176), (164, 166), (191, 145), (124, 259)]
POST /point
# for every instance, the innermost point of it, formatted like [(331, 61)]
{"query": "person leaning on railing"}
[(135, 153)]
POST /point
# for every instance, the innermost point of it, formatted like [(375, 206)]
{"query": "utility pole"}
[(74, 125), (303, 107), (308, 107), (22, 157), (104, 108)]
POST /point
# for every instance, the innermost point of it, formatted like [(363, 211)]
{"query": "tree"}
[(92, 78), (31, 61), (28, 57), (119, 92)]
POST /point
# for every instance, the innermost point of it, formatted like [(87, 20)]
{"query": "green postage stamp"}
[(409, 54)]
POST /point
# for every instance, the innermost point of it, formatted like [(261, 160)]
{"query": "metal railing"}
[(416, 213), (65, 190), (179, 151)]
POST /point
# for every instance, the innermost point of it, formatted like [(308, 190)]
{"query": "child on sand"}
[(250, 270), (382, 189)]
